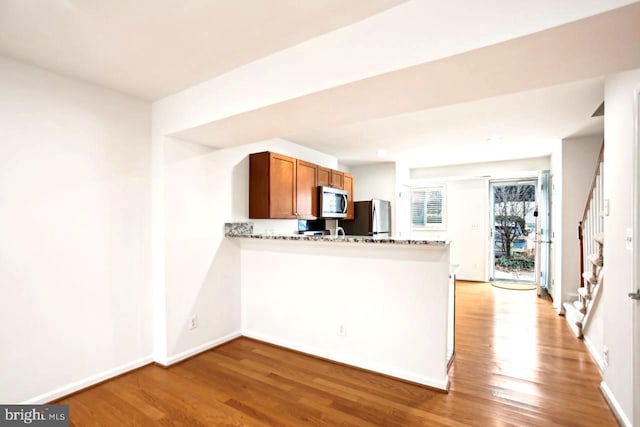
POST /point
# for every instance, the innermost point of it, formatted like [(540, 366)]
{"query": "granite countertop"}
[(245, 230)]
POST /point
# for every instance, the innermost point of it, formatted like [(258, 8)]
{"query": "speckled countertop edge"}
[(243, 230)]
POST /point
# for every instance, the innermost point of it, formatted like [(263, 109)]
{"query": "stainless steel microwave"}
[(332, 202)]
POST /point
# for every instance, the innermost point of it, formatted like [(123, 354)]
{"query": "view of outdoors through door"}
[(514, 231)]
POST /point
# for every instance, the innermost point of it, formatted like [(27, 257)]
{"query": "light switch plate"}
[(628, 239), (606, 207)]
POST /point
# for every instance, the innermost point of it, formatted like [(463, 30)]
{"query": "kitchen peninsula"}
[(379, 304)]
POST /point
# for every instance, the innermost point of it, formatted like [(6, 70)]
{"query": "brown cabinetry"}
[(337, 179), (324, 176), (348, 186), (306, 190), (281, 187), (272, 186)]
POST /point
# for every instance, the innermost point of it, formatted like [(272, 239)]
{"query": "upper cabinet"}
[(337, 179), (306, 193), (272, 186), (348, 186), (282, 187), (324, 176)]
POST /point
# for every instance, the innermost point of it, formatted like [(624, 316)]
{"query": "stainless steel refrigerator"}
[(371, 218)]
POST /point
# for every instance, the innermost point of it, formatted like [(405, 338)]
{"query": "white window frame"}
[(428, 227)]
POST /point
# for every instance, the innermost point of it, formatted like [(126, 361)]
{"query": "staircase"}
[(578, 312), (591, 237)]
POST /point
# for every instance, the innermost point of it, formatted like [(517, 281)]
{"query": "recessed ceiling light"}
[(382, 153)]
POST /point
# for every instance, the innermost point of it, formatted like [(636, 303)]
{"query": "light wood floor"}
[(516, 364)]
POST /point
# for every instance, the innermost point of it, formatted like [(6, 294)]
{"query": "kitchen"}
[(135, 266), (373, 301)]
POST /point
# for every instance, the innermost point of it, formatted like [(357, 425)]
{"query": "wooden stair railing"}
[(592, 222)]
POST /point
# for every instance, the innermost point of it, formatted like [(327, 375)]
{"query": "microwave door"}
[(333, 202)]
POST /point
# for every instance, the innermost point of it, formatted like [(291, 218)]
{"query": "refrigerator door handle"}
[(374, 228)]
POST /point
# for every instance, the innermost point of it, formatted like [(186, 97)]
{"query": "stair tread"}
[(580, 307), (599, 238), (595, 259), (574, 318), (584, 293), (589, 278)]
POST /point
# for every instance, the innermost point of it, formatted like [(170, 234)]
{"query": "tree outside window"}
[(513, 221)]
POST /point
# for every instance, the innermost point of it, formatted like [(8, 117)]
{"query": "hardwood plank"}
[(516, 364)]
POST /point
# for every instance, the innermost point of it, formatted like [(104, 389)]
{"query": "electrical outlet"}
[(342, 331), (605, 355), (193, 322)]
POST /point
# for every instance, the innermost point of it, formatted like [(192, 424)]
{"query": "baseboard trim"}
[(593, 352), (88, 382), (81, 385), (78, 386), (615, 407), (424, 381), (180, 357)]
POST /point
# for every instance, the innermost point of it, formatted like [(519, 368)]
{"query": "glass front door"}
[(513, 229)]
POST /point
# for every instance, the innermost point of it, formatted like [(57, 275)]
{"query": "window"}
[(427, 208)]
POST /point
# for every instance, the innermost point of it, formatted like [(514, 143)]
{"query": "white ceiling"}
[(532, 89), (440, 107), (152, 48), (521, 125)]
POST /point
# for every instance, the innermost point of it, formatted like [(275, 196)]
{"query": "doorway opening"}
[(514, 227)]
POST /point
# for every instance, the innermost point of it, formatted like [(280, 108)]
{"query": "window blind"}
[(427, 207)]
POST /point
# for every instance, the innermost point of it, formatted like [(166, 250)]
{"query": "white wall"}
[(204, 188), (467, 207), (579, 161), (467, 222), (376, 181), (593, 334), (391, 299), (75, 227), (618, 171), (496, 170)]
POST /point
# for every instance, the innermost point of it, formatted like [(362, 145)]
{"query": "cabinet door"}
[(324, 176), (348, 186), (337, 179), (282, 186), (259, 185), (306, 189)]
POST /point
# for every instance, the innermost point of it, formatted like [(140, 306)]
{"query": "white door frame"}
[(636, 260), (543, 232), (491, 243), (529, 179), (403, 212)]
